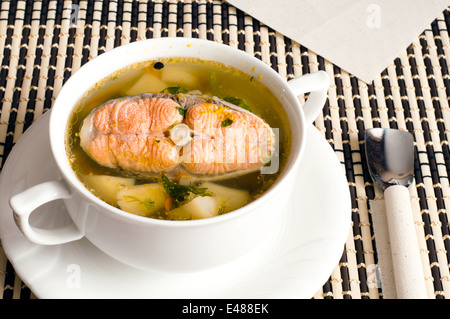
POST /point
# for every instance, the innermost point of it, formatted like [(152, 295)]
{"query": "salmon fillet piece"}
[(127, 133), (217, 121), (230, 140), (143, 153), (137, 114), (213, 120), (219, 156), (130, 133)]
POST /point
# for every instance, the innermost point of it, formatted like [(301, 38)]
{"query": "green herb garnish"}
[(227, 122), (148, 203), (181, 111), (238, 102), (181, 193), (174, 90)]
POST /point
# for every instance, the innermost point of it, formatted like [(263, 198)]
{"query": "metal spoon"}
[(390, 157)]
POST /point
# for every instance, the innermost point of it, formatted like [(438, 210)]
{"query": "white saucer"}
[(293, 263)]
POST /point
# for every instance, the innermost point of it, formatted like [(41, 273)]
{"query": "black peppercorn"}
[(158, 65)]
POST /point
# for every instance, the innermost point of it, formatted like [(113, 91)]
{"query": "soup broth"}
[(178, 195)]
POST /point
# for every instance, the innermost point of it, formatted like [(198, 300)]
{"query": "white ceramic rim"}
[(90, 73)]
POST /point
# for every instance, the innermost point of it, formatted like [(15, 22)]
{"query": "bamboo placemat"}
[(40, 47)]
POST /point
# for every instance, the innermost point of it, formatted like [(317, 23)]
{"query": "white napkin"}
[(362, 37)]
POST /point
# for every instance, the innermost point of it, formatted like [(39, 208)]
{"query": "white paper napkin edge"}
[(365, 66)]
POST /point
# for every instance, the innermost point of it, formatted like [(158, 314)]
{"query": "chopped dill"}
[(181, 111), (181, 193), (174, 90), (227, 122), (238, 102), (147, 203)]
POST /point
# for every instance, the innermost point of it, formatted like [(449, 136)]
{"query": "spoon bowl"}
[(390, 155)]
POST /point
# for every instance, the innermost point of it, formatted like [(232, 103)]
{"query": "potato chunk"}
[(143, 200), (175, 76), (147, 83), (199, 207), (229, 198), (108, 186)]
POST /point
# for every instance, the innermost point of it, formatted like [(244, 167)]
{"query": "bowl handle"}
[(24, 203), (317, 84)]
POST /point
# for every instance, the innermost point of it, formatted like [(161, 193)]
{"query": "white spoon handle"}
[(406, 259)]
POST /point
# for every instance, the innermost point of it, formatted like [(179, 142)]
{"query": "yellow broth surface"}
[(192, 75)]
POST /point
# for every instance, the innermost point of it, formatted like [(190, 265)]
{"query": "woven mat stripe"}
[(356, 169), (17, 59), (337, 286), (427, 147), (17, 56), (10, 59), (436, 150), (344, 278), (353, 261), (6, 29), (349, 278), (426, 176)]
